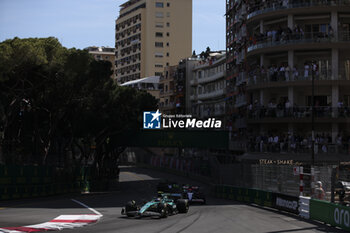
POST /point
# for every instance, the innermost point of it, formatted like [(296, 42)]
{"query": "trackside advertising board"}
[(286, 203), (336, 215)]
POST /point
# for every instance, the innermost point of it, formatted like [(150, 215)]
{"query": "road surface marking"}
[(89, 208), (59, 223)]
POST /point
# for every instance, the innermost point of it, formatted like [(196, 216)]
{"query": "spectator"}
[(319, 192)]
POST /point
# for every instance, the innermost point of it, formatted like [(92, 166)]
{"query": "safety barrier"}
[(335, 215), (305, 207)]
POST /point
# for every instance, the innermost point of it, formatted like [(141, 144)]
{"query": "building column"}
[(335, 64), (290, 21), (262, 60), (335, 132), (291, 59), (262, 26), (291, 96), (262, 102), (334, 23), (335, 99), (291, 128)]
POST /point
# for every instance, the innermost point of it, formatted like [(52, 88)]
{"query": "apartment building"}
[(208, 87), (175, 86), (150, 35), (168, 100), (289, 60), (105, 54)]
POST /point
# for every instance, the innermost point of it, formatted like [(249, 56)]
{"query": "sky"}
[(83, 23)]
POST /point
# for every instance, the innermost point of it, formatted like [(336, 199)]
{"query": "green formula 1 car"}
[(160, 207)]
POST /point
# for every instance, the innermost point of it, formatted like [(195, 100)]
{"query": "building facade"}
[(167, 102), (274, 51), (175, 87), (208, 87), (150, 35), (103, 54)]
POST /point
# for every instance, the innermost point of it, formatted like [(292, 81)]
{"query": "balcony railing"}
[(298, 112), (263, 9), (298, 147), (211, 77), (166, 93), (167, 106), (292, 76), (211, 94), (298, 38)]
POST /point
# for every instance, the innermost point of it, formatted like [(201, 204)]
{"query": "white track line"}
[(91, 209)]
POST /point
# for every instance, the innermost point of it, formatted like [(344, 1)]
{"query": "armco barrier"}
[(258, 197), (335, 215)]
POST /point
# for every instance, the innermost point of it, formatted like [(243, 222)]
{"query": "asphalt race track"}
[(140, 184)]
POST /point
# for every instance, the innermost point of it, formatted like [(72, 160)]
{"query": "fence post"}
[(301, 176), (312, 181)]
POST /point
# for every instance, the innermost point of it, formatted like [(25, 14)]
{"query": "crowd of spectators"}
[(284, 72), (285, 109), (257, 5), (296, 143), (285, 34)]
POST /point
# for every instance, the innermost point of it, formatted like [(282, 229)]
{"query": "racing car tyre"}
[(130, 206), (182, 205), (163, 210)]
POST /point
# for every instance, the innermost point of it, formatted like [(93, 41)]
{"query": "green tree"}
[(59, 106)]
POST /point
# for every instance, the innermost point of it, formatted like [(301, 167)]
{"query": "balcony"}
[(301, 114), (194, 82), (285, 7), (210, 95), (295, 144), (166, 93), (290, 41), (213, 113), (241, 78), (299, 78), (240, 101), (167, 106), (193, 97), (211, 77)]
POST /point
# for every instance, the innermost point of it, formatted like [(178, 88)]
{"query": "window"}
[(167, 34), (167, 54), (167, 44), (159, 34), (159, 4), (168, 4), (159, 25), (158, 73), (167, 64), (159, 55), (159, 44), (168, 14), (168, 24), (159, 15), (158, 65)]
